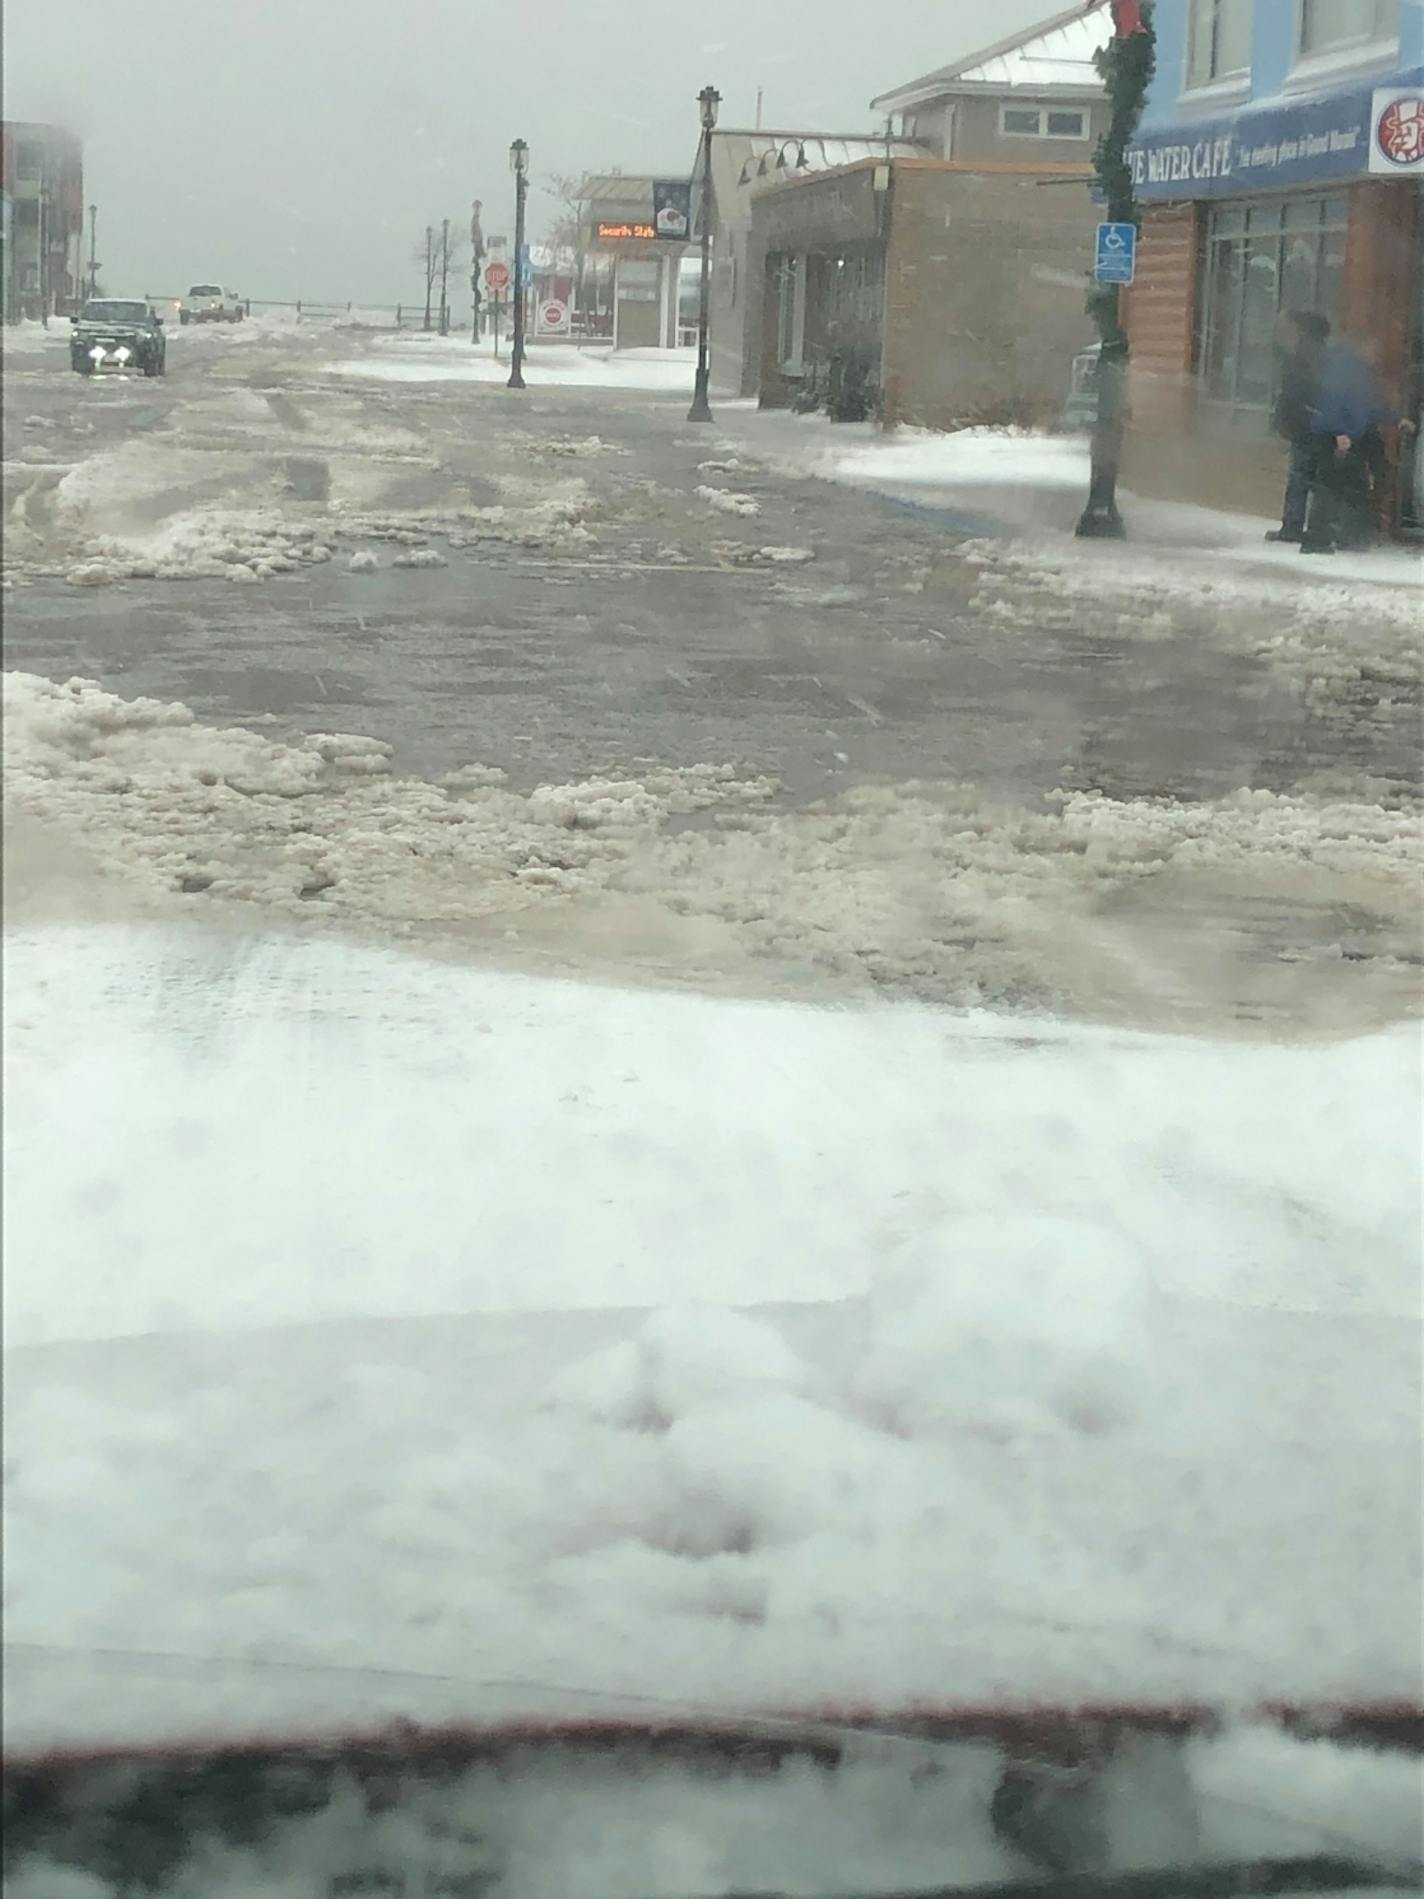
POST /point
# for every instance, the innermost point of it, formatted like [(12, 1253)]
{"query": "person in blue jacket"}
[(1345, 414)]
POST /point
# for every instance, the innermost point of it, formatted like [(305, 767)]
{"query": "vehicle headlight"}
[(97, 353), (122, 353)]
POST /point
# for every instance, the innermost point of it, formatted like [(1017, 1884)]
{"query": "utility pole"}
[(701, 411), (93, 250), (477, 258), (445, 276), (429, 271), (1126, 64), (519, 164)]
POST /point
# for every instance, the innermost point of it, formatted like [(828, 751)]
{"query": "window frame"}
[(1383, 33), (1237, 77), (1241, 226), (1043, 109)]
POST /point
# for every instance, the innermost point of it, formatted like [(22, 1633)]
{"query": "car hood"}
[(454, 1358)]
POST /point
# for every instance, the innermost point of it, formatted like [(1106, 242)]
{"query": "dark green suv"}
[(116, 333)]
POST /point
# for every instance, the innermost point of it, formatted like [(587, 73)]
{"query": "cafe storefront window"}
[(1263, 258)]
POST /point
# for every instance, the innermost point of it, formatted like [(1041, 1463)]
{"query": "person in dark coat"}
[(1301, 343), (1346, 408)]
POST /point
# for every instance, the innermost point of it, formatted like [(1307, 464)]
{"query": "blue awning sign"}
[(1310, 141)]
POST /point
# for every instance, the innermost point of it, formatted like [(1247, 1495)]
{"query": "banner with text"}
[(1300, 143)]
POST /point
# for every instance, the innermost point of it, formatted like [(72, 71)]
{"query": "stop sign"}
[(554, 317), (497, 276)]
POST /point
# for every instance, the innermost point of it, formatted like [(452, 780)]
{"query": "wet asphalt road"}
[(873, 661)]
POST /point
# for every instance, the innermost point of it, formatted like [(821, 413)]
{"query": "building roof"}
[(744, 163), (1055, 55)]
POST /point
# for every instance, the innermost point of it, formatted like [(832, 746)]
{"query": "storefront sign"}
[(1278, 148), (615, 233), (672, 209), (1397, 140)]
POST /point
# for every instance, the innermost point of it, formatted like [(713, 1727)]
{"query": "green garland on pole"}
[(1126, 65)]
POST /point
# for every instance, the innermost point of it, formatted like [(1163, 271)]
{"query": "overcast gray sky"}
[(298, 147)]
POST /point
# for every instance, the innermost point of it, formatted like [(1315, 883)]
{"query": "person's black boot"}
[(1293, 535)]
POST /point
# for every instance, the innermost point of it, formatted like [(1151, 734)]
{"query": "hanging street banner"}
[(672, 209), (1308, 141)]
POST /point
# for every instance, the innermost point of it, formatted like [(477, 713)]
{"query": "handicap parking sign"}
[(1116, 254)]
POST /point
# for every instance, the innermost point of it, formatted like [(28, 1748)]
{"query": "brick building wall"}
[(986, 292)]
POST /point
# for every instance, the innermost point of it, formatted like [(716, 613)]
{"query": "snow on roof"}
[(742, 162), (1055, 53)]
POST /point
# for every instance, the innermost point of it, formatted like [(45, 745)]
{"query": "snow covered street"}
[(658, 1074), (561, 680)]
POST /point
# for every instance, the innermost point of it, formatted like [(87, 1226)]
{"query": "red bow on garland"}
[(1127, 18)]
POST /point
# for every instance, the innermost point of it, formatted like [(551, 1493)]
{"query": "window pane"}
[(1199, 58), (1260, 304), (1330, 23), (1298, 272), (1222, 315), (1303, 214), (1065, 125), (1227, 220), (1022, 120), (1330, 292), (1233, 37)]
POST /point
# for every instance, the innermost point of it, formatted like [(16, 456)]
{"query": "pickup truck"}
[(118, 333), (210, 303)]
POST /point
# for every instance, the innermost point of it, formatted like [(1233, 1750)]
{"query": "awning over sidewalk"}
[(1279, 144)]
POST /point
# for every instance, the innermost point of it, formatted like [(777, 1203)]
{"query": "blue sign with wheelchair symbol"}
[(1116, 254)]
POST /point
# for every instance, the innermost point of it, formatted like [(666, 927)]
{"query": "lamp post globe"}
[(708, 100)]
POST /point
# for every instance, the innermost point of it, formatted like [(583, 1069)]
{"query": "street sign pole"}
[(1126, 65), (519, 160)]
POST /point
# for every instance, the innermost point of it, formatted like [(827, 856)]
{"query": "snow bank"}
[(925, 888), (380, 1342), (724, 501), (30, 338), (407, 359), (966, 458)]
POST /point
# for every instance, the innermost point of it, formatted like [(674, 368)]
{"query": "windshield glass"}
[(109, 310), (713, 944)]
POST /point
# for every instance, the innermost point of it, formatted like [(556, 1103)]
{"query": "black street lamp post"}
[(519, 164), (701, 411)]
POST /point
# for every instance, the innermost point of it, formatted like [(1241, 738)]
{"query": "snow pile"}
[(418, 358), (1091, 1376), (420, 557), (29, 337), (923, 887), (578, 448), (724, 501), (965, 458), (1329, 639), (363, 561)]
